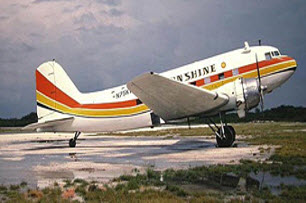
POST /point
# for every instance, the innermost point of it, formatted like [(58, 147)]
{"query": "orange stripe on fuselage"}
[(44, 86)]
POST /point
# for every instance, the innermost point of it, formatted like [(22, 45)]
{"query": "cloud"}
[(109, 2), (115, 12), (86, 18), (71, 9), (42, 1), (35, 35), (3, 18), (27, 48)]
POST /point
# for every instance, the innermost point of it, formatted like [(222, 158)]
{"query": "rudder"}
[(53, 87)]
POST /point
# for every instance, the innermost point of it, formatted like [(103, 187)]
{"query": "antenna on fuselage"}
[(259, 42)]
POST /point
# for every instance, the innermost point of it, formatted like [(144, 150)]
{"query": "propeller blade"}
[(188, 121), (260, 90), (261, 101), (258, 73)]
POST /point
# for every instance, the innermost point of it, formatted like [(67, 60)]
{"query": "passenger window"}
[(268, 56), (221, 76)]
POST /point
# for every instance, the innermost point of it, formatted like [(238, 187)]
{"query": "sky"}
[(105, 43)]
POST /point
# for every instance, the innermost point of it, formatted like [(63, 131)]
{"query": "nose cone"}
[(286, 69), (293, 65)]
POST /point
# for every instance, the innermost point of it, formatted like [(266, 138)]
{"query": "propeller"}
[(188, 121), (260, 88)]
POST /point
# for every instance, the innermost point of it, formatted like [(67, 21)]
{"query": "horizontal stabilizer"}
[(170, 99), (48, 124)]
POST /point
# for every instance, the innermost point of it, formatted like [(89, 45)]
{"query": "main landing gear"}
[(72, 141), (225, 134)]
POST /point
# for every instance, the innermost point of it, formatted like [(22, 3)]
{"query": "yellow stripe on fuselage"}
[(89, 112)]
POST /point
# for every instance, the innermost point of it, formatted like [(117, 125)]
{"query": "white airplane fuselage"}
[(119, 109)]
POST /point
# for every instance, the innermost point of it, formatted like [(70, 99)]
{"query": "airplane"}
[(233, 81)]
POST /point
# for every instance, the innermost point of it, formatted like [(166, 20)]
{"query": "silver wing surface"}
[(170, 99), (48, 124)]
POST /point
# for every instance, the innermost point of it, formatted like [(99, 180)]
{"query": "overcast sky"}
[(104, 43)]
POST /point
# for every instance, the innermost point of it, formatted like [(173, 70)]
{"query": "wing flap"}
[(171, 99)]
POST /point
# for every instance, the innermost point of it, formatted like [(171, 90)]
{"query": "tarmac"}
[(40, 159)]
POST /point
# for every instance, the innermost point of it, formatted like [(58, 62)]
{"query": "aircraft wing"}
[(48, 124), (170, 99)]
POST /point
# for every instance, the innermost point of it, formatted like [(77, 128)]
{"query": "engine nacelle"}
[(247, 95)]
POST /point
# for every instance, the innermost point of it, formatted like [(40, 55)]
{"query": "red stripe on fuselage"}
[(44, 86), (228, 74), (263, 64), (214, 78), (200, 82)]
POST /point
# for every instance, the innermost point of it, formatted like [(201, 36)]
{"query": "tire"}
[(229, 137), (232, 130), (72, 143)]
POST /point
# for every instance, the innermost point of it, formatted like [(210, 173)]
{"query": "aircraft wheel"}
[(232, 130), (72, 142), (228, 139)]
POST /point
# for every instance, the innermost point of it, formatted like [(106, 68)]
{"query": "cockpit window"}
[(276, 53), (268, 56)]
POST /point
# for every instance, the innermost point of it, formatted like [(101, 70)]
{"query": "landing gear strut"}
[(225, 134), (72, 141)]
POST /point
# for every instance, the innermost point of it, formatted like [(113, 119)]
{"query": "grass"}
[(10, 130), (110, 195), (290, 157), (23, 184), (80, 182), (139, 188), (293, 192), (68, 183)]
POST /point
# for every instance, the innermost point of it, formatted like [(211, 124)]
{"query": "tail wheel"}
[(228, 137), (72, 141)]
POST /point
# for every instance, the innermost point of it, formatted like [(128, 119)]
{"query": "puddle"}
[(274, 182)]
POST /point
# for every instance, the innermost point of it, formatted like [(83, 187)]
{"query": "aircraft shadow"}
[(179, 146)]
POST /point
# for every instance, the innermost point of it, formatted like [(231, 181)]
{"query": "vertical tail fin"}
[(53, 88)]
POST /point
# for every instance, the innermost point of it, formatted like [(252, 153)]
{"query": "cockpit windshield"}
[(276, 53), (272, 54)]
